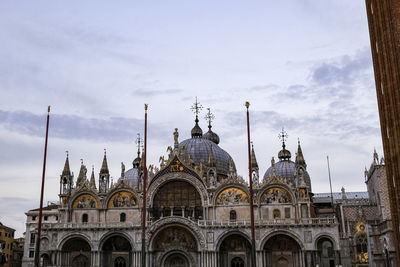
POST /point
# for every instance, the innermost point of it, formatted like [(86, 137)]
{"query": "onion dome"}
[(210, 135), (286, 168), (197, 131)]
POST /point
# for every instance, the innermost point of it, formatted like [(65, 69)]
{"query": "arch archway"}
[(176, 259), (282, 250), (235, 250), (116, 251), (326, 252), (76, 252)]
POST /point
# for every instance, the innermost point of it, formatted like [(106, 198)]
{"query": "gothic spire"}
[(104, 165), (82, 174), (299, 155), (254, 163), (92, 179), (66, 171)]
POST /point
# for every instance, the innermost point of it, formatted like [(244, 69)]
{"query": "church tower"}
[(384, 30)]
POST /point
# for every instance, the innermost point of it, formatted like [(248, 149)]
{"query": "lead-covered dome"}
[(132, 176), (200, 149), (287, 168)]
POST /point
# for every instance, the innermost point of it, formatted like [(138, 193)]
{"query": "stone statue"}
[(176, 135), (122, 169)]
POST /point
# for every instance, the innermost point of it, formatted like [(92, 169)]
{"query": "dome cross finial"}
[(283, 136), (196, 108), (139, 143), (209, 117)]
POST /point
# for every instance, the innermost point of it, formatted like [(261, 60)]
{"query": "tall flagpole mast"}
[(144, 190), (253, 240), (37, 253)]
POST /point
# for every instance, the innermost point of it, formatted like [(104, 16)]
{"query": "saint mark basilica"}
[(198, 213)]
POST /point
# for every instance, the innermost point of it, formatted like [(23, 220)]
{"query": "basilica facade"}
[(198, 213)]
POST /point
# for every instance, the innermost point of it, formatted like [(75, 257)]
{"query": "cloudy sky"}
[(303, 65)]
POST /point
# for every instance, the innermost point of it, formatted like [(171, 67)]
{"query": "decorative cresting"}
[(166, 222), (122, 199), (276, 178), (85, 201), (181, 176), (231, 196), (275, 195)]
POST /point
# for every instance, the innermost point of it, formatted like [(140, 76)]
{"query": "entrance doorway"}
[(176, 260)]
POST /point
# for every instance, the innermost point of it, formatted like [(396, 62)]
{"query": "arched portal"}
[(76, 253), (175, 246), (176, 260), (116, 251), (326, 252), (177, 198), (282, 250), (235, 251)]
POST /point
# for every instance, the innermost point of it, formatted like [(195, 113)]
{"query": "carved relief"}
[(122, 200), (232, 195), (85, 201), (275, 195)]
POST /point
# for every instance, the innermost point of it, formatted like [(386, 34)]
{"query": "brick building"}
[(384, 28)]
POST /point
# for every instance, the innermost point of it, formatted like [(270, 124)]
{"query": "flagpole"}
[(253, 242), (330, 181), (144, 190), (37, 253)]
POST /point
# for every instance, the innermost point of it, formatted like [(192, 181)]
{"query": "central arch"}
[(173, 245), (116, 251), (235, 251), (176, 259), (282, 250), (76, 252)]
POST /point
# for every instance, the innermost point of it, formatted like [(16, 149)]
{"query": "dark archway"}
[(326, 252), (235, 250), (282, 250), (177, 198), (176, 260), (116, 251), (76, 252)]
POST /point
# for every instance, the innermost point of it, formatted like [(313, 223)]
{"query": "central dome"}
[(200, 149)]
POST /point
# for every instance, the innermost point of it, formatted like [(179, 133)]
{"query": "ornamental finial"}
[(283, 136), (196, 108), (209, 117)]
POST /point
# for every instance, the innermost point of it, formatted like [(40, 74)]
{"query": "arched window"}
[(277, 214), (85, 218), (122, 217), (232, 215), (119, 262)]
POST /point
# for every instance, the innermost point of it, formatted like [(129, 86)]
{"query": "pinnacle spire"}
[(82, 175), (299, 155), (92, 179), (254, 163), (66, 171), (104, 165)]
